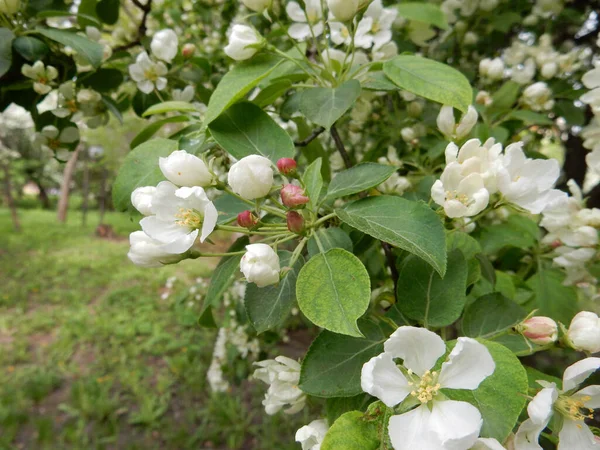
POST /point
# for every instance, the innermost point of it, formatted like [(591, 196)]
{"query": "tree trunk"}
[(9, 198), (102, 197), (85, 189), (63, 201), (43, 196)]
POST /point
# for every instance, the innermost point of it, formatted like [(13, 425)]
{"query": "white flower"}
[(147, 252), (180, 215), (460, 195), (487, 444), (528, 182), (282, 375), (16, 117), (53, 139), (311, 436), (491, 69), (148, 74), (435, 423), (164, 45), (141, 199), (257, 5), (593, 160), (260, 265), (184, 95), (380, 21), (244, 42), (538, 97), (447, 124), (343, 10), (49, 103), (476, 158), (524, 73), (251, 177), (305, 19), (42, 76), (573, 408), (184, 169), (385, 52), (340, 34), (584, 332)]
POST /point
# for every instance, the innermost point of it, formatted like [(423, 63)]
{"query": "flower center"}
[(376, 28), (574, 409), (151, 74), (426, 388), (454, 195), (189, 218), (72, 106), (54, 144)]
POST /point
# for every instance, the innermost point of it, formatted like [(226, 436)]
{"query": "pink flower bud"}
[(295, 222), (188, 50), (539, 330), (287, 166), (556, 243), (247, 220), (293, 196)]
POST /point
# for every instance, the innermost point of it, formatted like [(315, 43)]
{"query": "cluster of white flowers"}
[(453, 9), (214, 375), (150, 74), (282, 374), (475, 172), (591, 133), (573, 232)]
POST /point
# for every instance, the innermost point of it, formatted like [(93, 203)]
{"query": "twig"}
[(141, 29), (391, 261), (340, 146), (315, 134)]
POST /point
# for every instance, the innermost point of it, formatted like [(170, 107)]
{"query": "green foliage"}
[(324, 106), (153, 127), (334, 290), (517, 231), (30, 48), (329, 238), (358, 179), (90, 50), (171, 106), (352, 431), (424, 13), (313, 180), (551, 297), (490, 315), (6, 40), (103, 80), (411, 226)]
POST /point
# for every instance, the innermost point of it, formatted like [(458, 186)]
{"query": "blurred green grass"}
[(91, 357)]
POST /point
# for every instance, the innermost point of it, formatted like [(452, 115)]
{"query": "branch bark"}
[(63, 201), (340, 146)]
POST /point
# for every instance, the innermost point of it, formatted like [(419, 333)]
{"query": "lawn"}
[(96, 353)]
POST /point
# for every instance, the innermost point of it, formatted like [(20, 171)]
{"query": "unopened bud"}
[(343, 10), (539, 330), (287, 166), (293, 196), (295, 222), (247, 220), (188, 50), (584, 332)]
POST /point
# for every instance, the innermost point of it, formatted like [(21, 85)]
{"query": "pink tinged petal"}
[(411, 431), (419, 348), (540, 408), (457, 424), (210, 221), (528, 435), (576, 436), (467, 366), (381, 378), (579, 372)]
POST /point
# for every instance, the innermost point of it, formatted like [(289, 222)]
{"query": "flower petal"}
[(457, 424), (295, 12), (467, 366), (540, 408), (593, 392), (381, 378), (299, 31), (210, 220), (411, 431), (576, 435), (487, 444), (579, 372), (419, 348), (528, 435)]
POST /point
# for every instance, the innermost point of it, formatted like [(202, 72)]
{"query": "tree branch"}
[(391, 261), (315, 134), (340, 146), (141, 29)]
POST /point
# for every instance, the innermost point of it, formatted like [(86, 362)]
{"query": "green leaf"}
[(504, 22), (324, 106), (334, 290), (113, 108), (411, 226), (423, 12), (140, 168), (517, 231), (430, 79), (333, 363), (141, 102), (87, 8), (378, 81), (501, 397), (90, 50), (337, 406), (103, 80), (271, 93), (229, 207), (153, 127), (6, 39), (424, 296), (358, 178), (553, 298), (245, 129), (207, 319), (490, 315), (506, 96), (463, 242), (330, 238), (237, 83), (352, 432), (108, 11), (572, 114), (171, 106), (313, 180), (224, 273), (531, 117), (30, 48), (268, 307)]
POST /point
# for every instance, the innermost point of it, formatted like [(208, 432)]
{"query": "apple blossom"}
[(343, 10), (295, 222), (287, 166), (164, 45), (141, 199), (311, 436), (538, 97), (184, 95), (380, 20), (442, 423), (180, 216), (147, 252), (584, 332), (474, 157), (251, 177), (308, 21), (148, 74), (42, 76), (260, 265), (572, 408), (283, 376), (460, 195), (184, 169), (447, 125), (51, 138), (244, 42), (491, 69), (246, 219), (188, 50), (539, 330)]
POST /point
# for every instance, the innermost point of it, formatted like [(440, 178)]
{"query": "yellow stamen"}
[(574, 408), (428, 387), (189, 218)]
